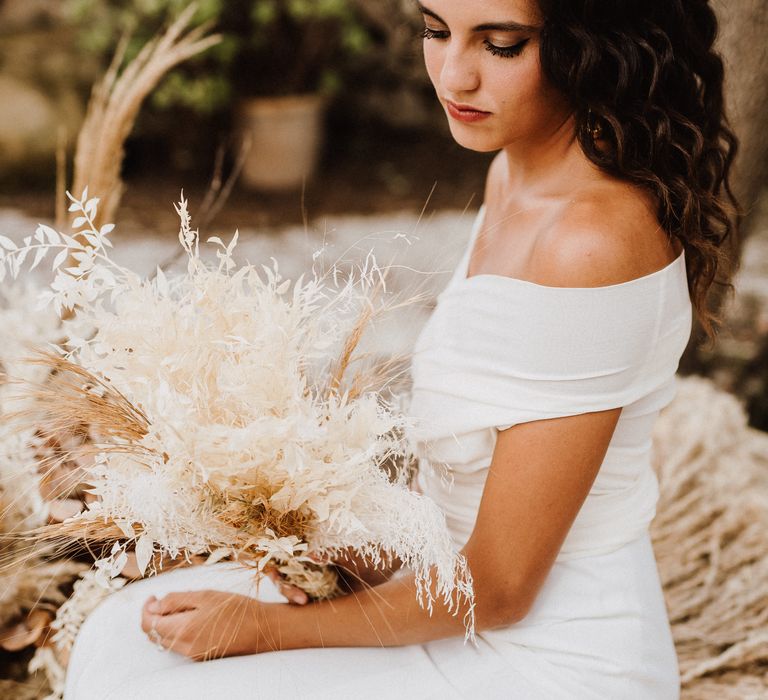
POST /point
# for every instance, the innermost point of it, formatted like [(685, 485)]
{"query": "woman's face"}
[(483, 59)]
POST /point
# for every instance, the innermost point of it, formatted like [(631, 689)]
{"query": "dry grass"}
[(115, 104), (710, 541)]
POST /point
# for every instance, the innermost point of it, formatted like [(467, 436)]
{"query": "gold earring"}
[(596, 129)]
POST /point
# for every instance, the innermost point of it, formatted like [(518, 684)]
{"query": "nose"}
[(460, 72)]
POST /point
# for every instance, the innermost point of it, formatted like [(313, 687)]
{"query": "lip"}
[(466, 113)]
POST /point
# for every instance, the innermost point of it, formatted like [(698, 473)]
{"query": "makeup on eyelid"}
[(502, 51), (483, 59)]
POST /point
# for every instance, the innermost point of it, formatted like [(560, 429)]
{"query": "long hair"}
[(644, 72)]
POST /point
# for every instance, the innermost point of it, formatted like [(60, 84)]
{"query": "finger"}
[(176, 603), (147, 617), (294, 594), (150, 605), (173, 628)]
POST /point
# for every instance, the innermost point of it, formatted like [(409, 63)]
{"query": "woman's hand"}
[(207, 624), (355, 573)]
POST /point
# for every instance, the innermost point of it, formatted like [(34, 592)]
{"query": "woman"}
[(537, 381)]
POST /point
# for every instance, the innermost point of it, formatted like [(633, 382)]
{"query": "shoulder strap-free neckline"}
[(512, 281)]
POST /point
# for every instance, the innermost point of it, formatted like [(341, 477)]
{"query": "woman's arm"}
[(539, 476)]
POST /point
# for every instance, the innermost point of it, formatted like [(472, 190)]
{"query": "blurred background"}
[(353, 65), (307, 112)]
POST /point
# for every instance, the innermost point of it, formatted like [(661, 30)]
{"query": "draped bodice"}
[(499, 351)]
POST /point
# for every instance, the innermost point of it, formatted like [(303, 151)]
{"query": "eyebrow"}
[(487, 27)]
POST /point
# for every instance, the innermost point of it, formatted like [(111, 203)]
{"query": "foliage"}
[(269, 46), (300, 45)]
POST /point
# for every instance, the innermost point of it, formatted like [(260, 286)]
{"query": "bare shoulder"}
[(608, 235)]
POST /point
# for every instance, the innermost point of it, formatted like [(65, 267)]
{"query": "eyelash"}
[(503, 51)]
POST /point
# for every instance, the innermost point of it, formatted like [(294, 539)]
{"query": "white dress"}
[(496, 352)]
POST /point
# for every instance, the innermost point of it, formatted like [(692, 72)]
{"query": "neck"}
[(549, 164)]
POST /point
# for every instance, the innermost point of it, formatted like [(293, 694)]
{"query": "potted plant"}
[(291, 59), (277, 66)]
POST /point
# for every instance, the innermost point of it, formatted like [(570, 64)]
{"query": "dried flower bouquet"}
[(220, 419)]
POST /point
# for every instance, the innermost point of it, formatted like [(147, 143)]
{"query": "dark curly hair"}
[(645, 74)]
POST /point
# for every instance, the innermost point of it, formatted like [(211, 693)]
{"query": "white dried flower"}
[(226, 420)]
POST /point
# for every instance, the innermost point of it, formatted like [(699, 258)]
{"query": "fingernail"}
[(153, 606), (300, 598)]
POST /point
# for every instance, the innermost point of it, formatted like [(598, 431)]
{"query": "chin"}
[(474, 139)]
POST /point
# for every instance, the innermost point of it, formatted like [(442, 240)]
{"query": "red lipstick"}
[(466, 113)]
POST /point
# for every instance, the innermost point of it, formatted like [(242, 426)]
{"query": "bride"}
[(536, 383)]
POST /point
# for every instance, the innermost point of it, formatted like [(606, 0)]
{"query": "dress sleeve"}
[(503, 352)]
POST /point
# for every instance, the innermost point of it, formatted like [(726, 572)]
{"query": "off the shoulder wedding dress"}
[(496, 352)]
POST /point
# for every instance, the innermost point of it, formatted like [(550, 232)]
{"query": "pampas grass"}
[(710, 541), (117, 99)]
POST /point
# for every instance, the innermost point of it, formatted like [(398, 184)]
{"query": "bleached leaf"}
[(7, 243), (91, 207), (72, 242), (40, 253), (233, 242), (144, 547), (51, 234), (217, 555), (126, 527), (61, 256), (162, 282), (105, 275)]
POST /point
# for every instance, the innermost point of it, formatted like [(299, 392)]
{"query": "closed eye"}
[(429, 33), (506, 51), (503, 51)]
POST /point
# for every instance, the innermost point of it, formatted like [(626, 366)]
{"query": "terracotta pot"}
[(285, 136)]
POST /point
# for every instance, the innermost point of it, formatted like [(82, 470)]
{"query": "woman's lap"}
[(114, 660), (581, 650)]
